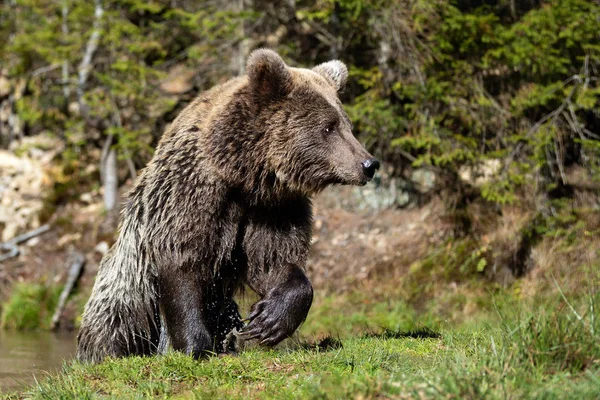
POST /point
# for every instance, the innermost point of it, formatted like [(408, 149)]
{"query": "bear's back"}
[(200, 115)]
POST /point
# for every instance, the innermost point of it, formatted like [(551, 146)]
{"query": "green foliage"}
[(591, 149), (30, 306), (438, 83), (463, 84), (137, 42)]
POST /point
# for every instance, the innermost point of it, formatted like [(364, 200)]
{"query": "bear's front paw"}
[(266, 323)]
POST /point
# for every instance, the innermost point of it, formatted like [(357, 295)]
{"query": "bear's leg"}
[(222, 314), (183, 309), (286, 297)]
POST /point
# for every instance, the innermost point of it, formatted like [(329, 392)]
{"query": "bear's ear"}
[(268, 75), (335, 71)]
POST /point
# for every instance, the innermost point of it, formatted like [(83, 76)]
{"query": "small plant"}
[(559, 335)]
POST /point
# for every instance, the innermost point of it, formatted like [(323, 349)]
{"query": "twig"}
[(74, 274), (43, 70), (11, 245)]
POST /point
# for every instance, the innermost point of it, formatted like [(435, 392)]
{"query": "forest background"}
[(485, 113)]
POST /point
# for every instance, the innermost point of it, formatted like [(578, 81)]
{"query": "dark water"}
[(26, 356)]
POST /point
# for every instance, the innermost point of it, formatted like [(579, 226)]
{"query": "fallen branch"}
[(73, 277), (11, 245)]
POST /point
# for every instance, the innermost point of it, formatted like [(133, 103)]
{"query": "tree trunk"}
[(110, 179), (65, 65), (238, 59)]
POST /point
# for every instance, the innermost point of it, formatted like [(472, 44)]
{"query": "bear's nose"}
[(370, 166)]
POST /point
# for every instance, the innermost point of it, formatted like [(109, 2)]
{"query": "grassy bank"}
[(536, 348), (439, 328)]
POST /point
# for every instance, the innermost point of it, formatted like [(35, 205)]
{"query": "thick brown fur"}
[(225, 201)]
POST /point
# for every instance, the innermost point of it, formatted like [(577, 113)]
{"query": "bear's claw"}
[(265, 324)]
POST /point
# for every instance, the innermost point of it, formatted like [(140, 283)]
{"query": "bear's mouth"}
[(347, 182)]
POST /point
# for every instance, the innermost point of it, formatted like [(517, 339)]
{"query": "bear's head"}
[(308, 133)]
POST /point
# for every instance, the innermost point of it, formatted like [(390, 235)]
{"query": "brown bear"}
[(225, 202)]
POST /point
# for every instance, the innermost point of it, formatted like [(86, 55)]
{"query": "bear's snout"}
[(369, 167)]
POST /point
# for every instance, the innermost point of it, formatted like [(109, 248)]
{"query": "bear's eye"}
[(330, 129)]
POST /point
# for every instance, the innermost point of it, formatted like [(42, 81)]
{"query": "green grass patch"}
[(30, 306), (540, 349)]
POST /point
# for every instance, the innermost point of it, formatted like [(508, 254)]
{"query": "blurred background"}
[(485, 113)]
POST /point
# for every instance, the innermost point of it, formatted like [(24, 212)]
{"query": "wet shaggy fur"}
[(224, 202)]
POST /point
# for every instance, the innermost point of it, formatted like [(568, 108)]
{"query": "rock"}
[(102, 248), (87, 198), (33, 242), (22, 183), (481, 173), (9, 231), (42, 147), (424, 179)]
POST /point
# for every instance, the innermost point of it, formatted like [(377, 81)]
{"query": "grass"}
[(544, 348), (29, 306)]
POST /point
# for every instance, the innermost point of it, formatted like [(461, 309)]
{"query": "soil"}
[(351, 245)]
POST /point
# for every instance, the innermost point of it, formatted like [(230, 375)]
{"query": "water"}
[(25, 355)]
